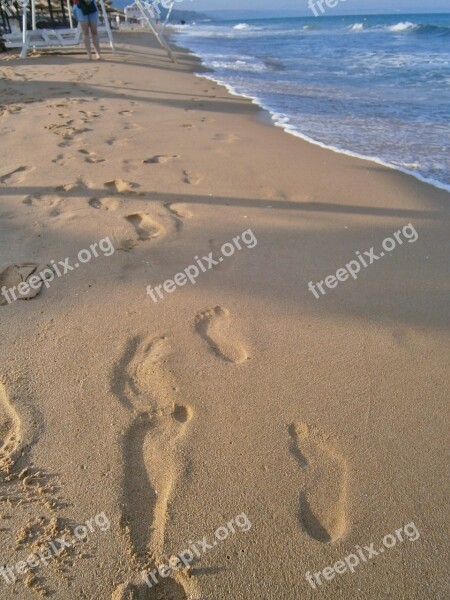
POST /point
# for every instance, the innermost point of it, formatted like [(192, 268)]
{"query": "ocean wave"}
[(247, 30), (403, 26), (332, 97), (419, 28), (356, 27), (433, 29), (238, 65), (283, 121)]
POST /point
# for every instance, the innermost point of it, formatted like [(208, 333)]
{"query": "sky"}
[(301, 6)]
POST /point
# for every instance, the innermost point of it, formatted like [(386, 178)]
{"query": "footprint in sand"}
[(160, 159), (323, 501), (10, 431), (150, 475), (179, 211), (120, 186), (151, 462), (228, 138), (129, 126), (88, 116), (146, 227), (60, 160), (104, 203), (16, 176), (44, 200), (66, 187), (213, 324), (91, 157), (113, 141), (173, 588), (192, 178), (13, 276)]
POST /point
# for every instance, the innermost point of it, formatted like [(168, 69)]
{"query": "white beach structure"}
[(51, 38), (144, 11)]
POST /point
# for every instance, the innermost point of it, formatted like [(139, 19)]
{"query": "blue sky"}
[(301, 6)]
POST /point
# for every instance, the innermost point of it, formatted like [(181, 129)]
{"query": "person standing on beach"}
[(86, 13)]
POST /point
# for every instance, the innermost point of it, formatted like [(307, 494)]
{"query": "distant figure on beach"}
[(86, 13)]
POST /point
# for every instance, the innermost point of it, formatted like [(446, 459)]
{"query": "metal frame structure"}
[(149, 16)]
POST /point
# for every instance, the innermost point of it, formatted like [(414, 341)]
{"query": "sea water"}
[(373, 86)]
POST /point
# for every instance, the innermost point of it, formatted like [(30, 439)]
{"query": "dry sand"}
[(323, 420)]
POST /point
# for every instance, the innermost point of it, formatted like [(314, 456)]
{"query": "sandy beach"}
[(220, 357)]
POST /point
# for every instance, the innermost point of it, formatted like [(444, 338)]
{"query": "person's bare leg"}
[(86, 37), (95, 40)]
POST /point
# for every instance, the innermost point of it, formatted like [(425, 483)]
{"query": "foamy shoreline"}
[(239, 59)]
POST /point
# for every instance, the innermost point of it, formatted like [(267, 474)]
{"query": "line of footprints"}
[(157, 427), (146, 227), (146, 388), (158, 424)]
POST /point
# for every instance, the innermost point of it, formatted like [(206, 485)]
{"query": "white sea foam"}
[(312, 109), (357, 27), (283, 121), (239, 65), (403, 26)]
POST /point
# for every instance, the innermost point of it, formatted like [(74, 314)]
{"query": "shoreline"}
[(208, 73)]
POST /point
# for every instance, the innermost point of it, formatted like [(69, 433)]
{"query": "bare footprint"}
[(88, 115), (66, 187), (60, 159), (213, 325), (159, 159), (145, 386), (175, 587), (192, 178), (228, 138), (179, 209), (323, 500), (104, 203), (43, 200), (91, 157), (16, 176), (10, 427), (120, 186), (150, 475), (146, 227), (180, 212), (11, 279)]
